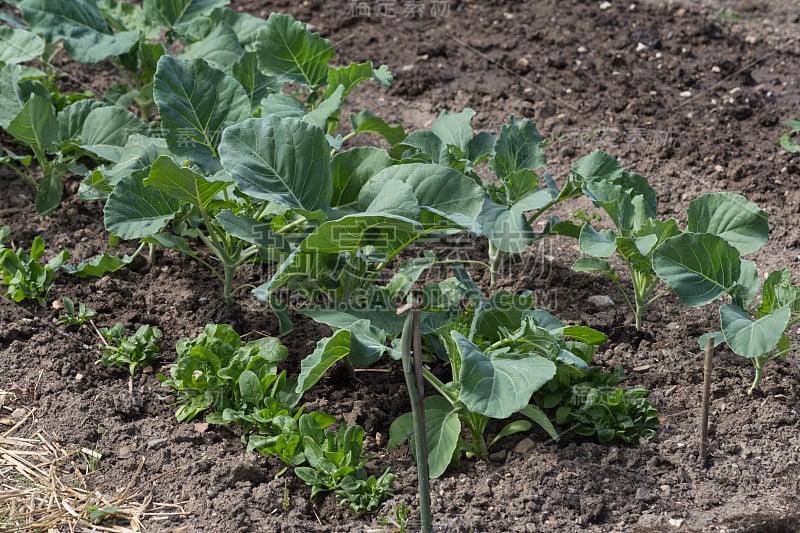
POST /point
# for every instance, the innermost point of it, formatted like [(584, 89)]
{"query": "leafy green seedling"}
[(22, 273), (594, 404), (73, 316), (216, 372), (788, 141), (500, 353), (336, 463), (759, 331), (518, 196), (138, 350)]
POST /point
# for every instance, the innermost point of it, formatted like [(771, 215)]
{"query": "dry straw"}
[(42, 488)]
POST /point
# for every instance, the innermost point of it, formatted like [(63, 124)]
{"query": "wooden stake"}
[(706, 402)]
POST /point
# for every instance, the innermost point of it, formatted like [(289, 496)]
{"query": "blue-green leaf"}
[(81, 25), (750, 338), (329, 350), (502, 385), (290, 53), (197, 102), (699, 267), (134, 211), (732, 217), (283, 160)]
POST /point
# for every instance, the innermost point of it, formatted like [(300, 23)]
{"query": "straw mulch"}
[(42, 488)]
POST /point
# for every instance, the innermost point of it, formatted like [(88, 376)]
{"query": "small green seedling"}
[(23, 274), (73, 317), (138, 350), (788, 141)]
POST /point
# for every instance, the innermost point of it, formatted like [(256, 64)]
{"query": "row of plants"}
[(225, 141)]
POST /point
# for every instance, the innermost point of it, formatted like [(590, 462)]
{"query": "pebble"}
[(676, 522), (641, 47), (600, 300), (605, 5), (498, 456), (524, 447), (582, 49), (643, 495), (686, 94), (156, 443), (78, 377)]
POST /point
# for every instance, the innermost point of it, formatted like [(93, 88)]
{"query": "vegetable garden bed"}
[(690, 99)]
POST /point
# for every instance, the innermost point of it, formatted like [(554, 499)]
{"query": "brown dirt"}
[(578, 71)]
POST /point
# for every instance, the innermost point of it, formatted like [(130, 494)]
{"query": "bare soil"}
[(689, 94)]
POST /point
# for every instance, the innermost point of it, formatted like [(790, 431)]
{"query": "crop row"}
[(225, 141)]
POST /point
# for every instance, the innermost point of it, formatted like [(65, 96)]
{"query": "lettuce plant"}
[(22, 272), (137, 350)]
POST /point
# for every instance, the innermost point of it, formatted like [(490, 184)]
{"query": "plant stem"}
[(477, 427), (411, 337), (495, 260), (706, 401), (759, 365)]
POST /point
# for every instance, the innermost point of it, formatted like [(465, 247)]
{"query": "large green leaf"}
[(778, 292), (289, 52), (596, 243), (11, 100), (352, 168), (367, 122), (72, 118), (181, 183), (221, 48), (435, 186), (354, 74), (518, 147), (443, 429), (454, 129), (597, 166), (106, 130), (627, 198), (732, 217), (81, 25), (508, 229), (329, 350), (699, 267), (19, 46), (197, 102), (284, 160), (750, 338), (384, 234), (174, 12), (36, 125), (134, 210), (502, 385), (256, 83)]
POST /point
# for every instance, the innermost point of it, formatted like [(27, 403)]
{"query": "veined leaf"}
[(221, 48), (106, 130), (352, 168), (174, 12), (353, 74), (502, 385), (72, 118), (454, 129), (81, 25), (329, 350), (134, 211), (98, 266), (699, 267), (290, 53), (597, 166), (508, 230), (19, 46), (256, 83), (435, 186), (384, 233), (182, 183), (367, 122), (36, 125), (442, 429), (517, 148), (732, 217), (283, 160), (197, 102), (750, 338), (595, 243)]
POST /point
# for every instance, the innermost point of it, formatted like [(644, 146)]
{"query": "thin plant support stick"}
[(706, 402), (414, 382)]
